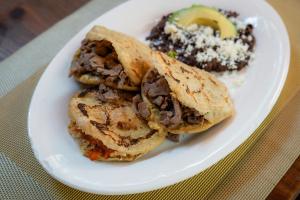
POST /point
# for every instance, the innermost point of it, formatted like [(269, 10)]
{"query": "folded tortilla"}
[(112, 58), (107, 127), (182, 99)]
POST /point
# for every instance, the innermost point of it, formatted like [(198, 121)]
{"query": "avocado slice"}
[(206, 16)]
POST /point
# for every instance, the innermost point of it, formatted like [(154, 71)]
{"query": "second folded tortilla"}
[(112, 58), (182, 99)]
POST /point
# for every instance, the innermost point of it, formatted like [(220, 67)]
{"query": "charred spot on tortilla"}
[(177, 80), (188, 90), (98, 125), (126, 126), (81, 107), (183, 70), (127, 141), (213, 81)]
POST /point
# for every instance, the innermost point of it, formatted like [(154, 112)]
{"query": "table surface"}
[(22, 20)]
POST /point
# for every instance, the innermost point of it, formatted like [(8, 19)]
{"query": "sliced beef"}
[(126, 126), (102, 48), (173, 137), (177, 117), (157, 90), (141, 107), (99, 58), (107, 94), (159, 101), (172, 113), (113, 72), (165, 117), (191, 116), (173, 118), (123, 78)]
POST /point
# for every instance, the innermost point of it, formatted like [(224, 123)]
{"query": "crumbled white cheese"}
[(199, 41), (228, 52), (207, 55), (208, 31), (170, 28), (189, 49), (183, 38), (175, 32), (231, 52)]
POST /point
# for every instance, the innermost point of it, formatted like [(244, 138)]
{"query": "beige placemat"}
[(269, 159), (19, 161), (15, 145)]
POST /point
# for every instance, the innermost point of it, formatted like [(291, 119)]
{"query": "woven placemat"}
[(20, 164), (15, 144), (260, 170)]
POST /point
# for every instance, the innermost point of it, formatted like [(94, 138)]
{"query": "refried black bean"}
[(161, 41)]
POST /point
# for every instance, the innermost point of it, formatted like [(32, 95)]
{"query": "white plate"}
[(59, 154)]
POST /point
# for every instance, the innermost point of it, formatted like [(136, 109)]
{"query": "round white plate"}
[(59, 154)]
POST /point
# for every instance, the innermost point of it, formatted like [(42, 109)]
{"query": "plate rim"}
[(235, 142)]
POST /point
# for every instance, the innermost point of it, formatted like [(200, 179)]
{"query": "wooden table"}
[(22, 20), (289, 185)]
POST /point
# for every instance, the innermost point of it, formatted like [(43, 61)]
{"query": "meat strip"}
[(173, 137), (99, 58), (172, 113), (141, 107), (108, 94)]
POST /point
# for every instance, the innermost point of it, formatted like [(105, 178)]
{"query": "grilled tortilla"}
[(182, 99), (108, 128), (112, 58)]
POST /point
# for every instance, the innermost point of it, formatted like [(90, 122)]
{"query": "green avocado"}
[(206, 16)]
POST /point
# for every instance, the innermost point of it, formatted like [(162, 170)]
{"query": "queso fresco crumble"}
[(202, 46)]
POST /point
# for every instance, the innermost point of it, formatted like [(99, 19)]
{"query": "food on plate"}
[(107, 128), (208, 38), (136, 97), (112, 58), (206, 16), (181, 99)]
